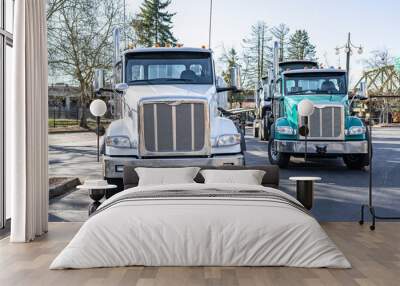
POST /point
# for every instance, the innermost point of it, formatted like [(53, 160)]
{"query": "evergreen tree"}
[(257, 54), (153, 24), (300, 47), (281, 33)]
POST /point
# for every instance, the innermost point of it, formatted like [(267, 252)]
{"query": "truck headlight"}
[(119, 142), (356, 130), (228, 140), (287, 130)]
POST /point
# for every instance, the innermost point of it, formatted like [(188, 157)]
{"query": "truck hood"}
[(292, 101), (138, 92)]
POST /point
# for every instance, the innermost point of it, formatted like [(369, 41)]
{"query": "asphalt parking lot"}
[(338, 196)]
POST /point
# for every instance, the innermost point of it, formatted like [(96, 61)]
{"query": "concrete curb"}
[(64, 187), (395, 125), (54, 131)]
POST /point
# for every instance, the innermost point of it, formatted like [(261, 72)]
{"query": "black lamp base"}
[(370, 206), (373, 216)]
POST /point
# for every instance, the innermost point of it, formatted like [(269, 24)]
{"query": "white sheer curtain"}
[(27, 124)]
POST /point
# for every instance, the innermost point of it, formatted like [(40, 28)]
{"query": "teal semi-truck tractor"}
[(332, 131)]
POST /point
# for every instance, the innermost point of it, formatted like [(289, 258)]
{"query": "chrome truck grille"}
[(174, 128), (326, 122)]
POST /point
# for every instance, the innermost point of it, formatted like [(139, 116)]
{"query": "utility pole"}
[(348, 54), (348, 48), (210, 26), (125, 42)]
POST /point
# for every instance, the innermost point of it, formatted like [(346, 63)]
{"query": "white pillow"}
[(246, 177), (166, 176)]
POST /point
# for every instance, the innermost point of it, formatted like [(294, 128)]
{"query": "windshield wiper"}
[(327, 92), (155, 80), (177, 79), (141, 81), (302, 91)]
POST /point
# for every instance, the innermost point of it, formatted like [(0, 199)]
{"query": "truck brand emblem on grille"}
[(175, 103), (321, 149)]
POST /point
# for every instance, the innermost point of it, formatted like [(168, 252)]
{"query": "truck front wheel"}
[(264, 132), (356, 161), (276, 157), (256, 132), (242, 142)]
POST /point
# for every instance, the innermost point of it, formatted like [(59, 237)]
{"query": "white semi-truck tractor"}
[(170, 111)]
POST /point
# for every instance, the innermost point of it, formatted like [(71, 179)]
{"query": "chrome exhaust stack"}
[(116, 42), (276, 60)]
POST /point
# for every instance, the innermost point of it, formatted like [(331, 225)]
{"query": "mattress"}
[(201, 225)]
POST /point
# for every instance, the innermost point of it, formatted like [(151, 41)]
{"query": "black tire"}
[(356, 161), (275, 157), (266, 133), (264, 130), (256, 132), (114, 181), (103, 148), (242, 142)]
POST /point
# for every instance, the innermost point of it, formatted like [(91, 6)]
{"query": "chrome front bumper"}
[(113, 166), (323, 147)]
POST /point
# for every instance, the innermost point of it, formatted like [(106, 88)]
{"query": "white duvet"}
[(200, 231)]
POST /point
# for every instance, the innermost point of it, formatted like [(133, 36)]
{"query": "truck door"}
[(277, 108)]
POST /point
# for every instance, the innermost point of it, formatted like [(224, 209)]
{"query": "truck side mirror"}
[(121, 87), (98, 80), (361, 97), (357, 95), (361, 94), (235, 78)]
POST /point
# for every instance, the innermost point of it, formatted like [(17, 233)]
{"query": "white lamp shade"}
[(98, 108), (305, 107)]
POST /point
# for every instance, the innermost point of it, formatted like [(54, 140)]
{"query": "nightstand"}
[(97, 190), (305, 190)]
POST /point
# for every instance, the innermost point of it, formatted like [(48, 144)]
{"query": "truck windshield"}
[(169, 68), (315, 83)]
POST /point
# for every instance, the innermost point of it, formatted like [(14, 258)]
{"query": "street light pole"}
[(210, 24), (348, 48), (98, 137), (348, 54), (98, 108)]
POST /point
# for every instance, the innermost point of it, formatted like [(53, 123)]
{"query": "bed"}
[(197, 224)]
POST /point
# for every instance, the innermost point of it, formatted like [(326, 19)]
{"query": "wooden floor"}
[(375, 257)]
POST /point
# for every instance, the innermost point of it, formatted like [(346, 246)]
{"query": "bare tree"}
[(378, 59), (281, 34), (53, 6), (79, 41), (257, 53)]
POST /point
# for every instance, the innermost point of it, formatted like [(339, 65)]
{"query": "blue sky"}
[(374, 24)]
